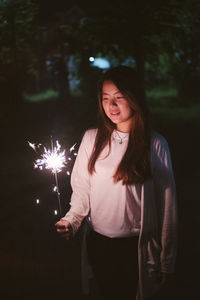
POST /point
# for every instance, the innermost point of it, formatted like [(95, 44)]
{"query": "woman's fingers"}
[(64, 229)]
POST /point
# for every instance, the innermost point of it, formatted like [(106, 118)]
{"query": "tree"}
[(60, 40), (18, 53), (141, 29), (186, 52)]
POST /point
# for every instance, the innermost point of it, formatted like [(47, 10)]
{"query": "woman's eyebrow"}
[(117, 92)]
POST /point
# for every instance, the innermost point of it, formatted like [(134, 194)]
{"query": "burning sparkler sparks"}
[(53, 159), (55, 188)]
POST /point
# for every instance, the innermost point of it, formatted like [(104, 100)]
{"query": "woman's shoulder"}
[(89, 136), (160, 153), (158, 140), (159, 144)]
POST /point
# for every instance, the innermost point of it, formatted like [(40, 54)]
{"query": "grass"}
[(165, 103), (162, 97), (177, 113), (40, 97), (162, 93)]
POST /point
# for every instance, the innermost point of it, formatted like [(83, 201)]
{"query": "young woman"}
[(124, 190)]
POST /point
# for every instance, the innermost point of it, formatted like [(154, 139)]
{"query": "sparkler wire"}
[(56, 180)]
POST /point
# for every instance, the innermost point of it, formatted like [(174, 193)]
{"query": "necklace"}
[(121, 139)]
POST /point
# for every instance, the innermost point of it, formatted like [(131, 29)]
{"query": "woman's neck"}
[(125, 126)]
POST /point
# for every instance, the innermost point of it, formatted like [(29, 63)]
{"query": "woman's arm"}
[(80, 182), (165, 192)]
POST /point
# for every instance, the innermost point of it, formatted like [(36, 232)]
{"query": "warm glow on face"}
[(116, 107)]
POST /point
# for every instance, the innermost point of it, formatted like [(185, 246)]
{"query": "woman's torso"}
[(114, 208)]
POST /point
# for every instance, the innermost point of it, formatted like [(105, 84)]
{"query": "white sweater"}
[(113, 208), (116, 210)]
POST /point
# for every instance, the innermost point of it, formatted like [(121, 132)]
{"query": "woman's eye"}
[(105, 98), (120, 97)]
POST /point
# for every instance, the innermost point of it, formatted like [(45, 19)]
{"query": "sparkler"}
[(53, 159)]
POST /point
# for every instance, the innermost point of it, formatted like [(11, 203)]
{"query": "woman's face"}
[(116, 107)]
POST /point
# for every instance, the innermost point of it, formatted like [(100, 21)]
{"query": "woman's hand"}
[(64, 229)]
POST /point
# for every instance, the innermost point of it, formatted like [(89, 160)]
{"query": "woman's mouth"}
[(114, 113)]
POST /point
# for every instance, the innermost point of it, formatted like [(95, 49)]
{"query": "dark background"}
[(45, 46)]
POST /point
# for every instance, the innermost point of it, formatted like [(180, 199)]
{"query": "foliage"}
[(143, 30), (162, 38), (19, 34), (186, 52)]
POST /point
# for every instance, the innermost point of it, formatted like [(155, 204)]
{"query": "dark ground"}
[(35, 264)]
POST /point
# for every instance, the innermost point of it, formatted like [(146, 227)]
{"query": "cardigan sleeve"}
[(80, 182), (165, 193)]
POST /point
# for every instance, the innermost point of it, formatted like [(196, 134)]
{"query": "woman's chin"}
[(115, 121), (115, 118)]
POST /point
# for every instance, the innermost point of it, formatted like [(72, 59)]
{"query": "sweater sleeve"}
[(80, 182), (166, 203)]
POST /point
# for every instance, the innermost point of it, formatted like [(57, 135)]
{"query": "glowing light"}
[(100, 63), (72, 148), (32, 145), (91, 58), (55, 212), (53, 160)]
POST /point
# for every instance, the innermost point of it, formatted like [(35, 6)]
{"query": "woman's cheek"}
[(105, 108)]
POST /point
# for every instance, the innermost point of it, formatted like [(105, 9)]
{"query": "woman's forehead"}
[(109, 88)]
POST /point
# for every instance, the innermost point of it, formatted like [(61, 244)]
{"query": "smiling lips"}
[(114, 113)]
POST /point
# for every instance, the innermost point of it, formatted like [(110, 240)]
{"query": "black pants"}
[(115, 265)]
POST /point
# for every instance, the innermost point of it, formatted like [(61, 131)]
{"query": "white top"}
[(114, 209)]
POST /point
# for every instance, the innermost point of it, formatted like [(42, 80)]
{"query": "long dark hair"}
[(135, 164)]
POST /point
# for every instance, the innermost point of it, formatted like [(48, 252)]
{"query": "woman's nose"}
[(113, 102)]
